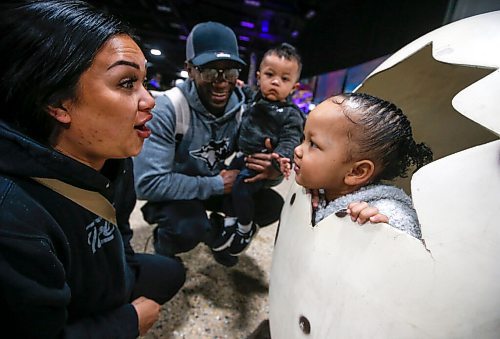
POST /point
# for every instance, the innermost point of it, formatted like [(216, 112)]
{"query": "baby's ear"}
[(360, 174), (60, 112)]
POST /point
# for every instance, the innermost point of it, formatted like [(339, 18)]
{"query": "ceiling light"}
[(254, 3), (247, 24), (184, 74), (264, 26), (155, 51), (163, 8), (310, 14)]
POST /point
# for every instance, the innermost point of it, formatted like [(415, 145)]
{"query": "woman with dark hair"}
[(73, 112)]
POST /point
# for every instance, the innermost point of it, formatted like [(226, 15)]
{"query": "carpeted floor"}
[(216, 301)]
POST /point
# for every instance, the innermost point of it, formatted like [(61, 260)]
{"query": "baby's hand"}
[(361, 212), (315, 198), (285, 166)]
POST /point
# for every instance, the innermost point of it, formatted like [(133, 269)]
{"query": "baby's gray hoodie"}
[(390, 201)]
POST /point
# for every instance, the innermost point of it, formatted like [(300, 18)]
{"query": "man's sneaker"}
[(225, 238), (242, 240)]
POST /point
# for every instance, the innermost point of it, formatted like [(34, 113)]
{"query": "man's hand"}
[(361, 212), (261, 162), (147, 311), (228, 177)]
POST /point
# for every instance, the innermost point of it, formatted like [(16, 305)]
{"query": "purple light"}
[(295, 34), (182, 37), (264, 26), (243, 38), (266, 36), (254, 3), (247, 24)]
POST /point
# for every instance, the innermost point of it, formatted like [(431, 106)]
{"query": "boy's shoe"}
[(224, 258), (225, 238), (241, 241)]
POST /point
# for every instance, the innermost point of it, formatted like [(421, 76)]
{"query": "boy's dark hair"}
[(287, 51), (46, 46), (386, 135)]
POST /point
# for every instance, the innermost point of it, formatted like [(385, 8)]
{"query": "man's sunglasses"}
[(212, 74)]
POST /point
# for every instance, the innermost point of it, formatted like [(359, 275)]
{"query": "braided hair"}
[(386, 135)]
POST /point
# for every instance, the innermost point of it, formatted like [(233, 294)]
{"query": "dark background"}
[(329, 34)]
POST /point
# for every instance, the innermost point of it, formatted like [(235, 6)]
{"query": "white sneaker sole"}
[(224, 245)]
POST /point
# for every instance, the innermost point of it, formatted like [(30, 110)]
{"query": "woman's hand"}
[(361, 212), (147, 311)]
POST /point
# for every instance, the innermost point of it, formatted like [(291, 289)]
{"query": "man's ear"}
[(360, 174), (190, 69), (60, 113)]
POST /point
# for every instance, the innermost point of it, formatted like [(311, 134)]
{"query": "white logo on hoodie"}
[(99, 232), (213, 153)]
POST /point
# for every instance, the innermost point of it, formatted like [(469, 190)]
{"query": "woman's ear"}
[(360, 174), (60, 113)]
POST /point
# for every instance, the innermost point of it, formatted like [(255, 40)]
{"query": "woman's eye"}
[(128, 83)]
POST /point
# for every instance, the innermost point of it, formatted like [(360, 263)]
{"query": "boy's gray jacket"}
[(189, 168)]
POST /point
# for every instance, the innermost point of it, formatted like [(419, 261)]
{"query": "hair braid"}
[(386, 135)]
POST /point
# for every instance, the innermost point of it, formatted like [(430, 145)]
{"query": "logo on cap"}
[(222, 55)]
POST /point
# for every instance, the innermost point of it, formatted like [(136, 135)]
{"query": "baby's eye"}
[(312, 144), (285, 79)]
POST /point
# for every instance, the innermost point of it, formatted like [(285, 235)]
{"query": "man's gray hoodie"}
[(189, 168)]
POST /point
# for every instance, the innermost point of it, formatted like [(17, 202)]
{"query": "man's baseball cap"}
[(211, 41)]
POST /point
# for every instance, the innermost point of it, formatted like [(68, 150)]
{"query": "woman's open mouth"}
[(142, 130)]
